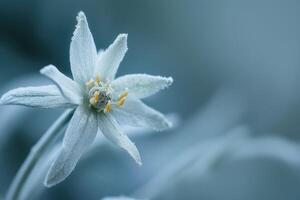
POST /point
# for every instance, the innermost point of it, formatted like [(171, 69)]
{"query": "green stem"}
[(34, 155)]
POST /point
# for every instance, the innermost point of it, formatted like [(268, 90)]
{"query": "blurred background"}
[(235, 97)]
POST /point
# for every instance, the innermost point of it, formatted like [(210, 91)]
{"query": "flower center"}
[(99, 98), (100, 95)]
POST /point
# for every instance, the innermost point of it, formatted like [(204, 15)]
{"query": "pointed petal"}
[(79, 135), (43, 96), (70, 89), (137, 114), (111, 130), (83, 53), (141, 85), (108, 61)]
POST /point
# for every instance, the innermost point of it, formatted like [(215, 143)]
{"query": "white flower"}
[(101, 101)]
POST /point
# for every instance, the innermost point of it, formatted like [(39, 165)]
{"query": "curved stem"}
[(35, 153)]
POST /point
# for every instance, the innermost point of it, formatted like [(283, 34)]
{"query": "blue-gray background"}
[(235, 63)]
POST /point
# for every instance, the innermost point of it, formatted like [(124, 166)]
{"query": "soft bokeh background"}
[(236, 67)]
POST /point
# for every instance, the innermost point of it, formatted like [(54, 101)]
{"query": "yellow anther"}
[(98, 79), (123, 95), (92, 101), (90, 83), (96, 96), (121, 102), (107, 107)]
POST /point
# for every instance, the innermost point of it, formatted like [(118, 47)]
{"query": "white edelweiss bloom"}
[(100, 100)]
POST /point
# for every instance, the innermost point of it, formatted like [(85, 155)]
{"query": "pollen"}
[(121, 102), (122, 99), (107, 108), (90, 83), (98, 79), (123, 95)]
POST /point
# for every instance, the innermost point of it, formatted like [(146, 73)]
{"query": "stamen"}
[(99, 95), (121, 102), (92, 101), (123, 95), (98, 79), (122, 98), (90, 84), (96, 96), (107, 107)]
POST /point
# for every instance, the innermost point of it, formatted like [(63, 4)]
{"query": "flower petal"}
[(141, 85), (109, 60), (137, 114), (70, 89), (111, 130), (43, 96), (83, 53), (79, 135)]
